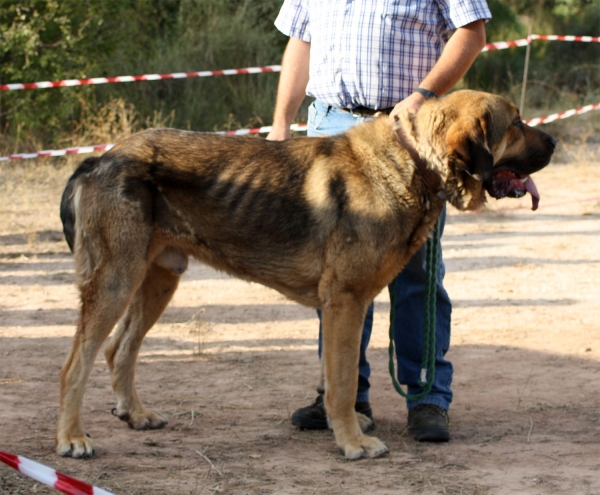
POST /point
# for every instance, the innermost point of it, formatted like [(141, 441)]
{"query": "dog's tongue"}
[(535, 195), (509, 184)]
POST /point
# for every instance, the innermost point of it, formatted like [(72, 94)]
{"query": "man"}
[(359, 58)]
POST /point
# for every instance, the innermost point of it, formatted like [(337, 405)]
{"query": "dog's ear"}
[(467, 146)]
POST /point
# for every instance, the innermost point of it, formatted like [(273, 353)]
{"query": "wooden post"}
[(525, 71)]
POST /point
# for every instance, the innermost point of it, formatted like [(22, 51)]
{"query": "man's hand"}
[(279, 134), (411, 104)]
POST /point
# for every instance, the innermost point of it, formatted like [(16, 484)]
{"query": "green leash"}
[(428, 362)]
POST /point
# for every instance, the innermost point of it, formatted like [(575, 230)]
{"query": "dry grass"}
[(115, 121)]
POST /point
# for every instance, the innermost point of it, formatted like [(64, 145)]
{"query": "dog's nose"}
[(553, 141)]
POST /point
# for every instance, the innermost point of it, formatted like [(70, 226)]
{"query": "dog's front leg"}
[(343, 318)]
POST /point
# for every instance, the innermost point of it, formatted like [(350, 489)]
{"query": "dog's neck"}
[(430, 179)]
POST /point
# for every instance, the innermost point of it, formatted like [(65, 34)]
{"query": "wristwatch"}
[(426, 93)]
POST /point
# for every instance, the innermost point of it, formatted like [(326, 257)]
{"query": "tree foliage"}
[(46, 40), (556, 68)]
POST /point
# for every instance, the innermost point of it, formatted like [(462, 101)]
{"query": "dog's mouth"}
[(507, 184)]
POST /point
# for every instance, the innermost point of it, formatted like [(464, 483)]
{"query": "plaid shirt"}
[(373, 53)]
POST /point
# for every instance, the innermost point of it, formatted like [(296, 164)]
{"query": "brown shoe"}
[(429, 423)]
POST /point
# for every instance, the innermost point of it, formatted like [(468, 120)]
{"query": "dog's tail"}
[(67, 208)]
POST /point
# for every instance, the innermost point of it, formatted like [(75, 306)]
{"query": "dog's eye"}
[(518, 122)]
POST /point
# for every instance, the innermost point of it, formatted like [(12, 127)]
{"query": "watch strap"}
[(426, 93)]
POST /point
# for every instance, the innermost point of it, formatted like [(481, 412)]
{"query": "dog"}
[(326, 221)]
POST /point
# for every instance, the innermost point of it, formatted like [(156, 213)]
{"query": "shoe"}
[(313, 417), (429, 423)]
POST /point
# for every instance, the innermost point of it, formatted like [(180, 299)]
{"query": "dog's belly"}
[(293, 276), (296, 277)]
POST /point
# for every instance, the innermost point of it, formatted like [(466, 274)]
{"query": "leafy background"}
[(47, 40)]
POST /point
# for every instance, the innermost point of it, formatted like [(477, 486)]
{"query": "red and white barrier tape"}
[(260, 130), (67, 151), (50, 477), (105, 147), (554, 37), (562, 115), (263, 130), (145, 77), (500, 45)]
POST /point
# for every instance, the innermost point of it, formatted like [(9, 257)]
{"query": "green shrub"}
[(48, 40)]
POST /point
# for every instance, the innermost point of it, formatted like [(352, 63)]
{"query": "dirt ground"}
[(230, 361)]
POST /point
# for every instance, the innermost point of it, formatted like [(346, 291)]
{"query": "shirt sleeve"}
[(458, 13), (293, 19)]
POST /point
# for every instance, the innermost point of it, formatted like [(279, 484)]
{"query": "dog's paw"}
[(367, 447), (76, 447), (146, 420)]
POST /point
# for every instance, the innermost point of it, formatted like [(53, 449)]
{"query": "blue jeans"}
[(409, 303)]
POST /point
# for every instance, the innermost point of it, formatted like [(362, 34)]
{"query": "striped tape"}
[(553, 37), (562, 115), (105, 147), (50, 477), (500, 45), (145, 77), (263, 130), (260, 130), (68, 151)]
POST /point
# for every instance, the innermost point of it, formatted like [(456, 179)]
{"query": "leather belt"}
[(367, 112)]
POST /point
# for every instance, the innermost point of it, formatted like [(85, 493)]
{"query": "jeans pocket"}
[(316, 113)]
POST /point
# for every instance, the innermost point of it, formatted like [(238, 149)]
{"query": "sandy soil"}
[(229, 361)]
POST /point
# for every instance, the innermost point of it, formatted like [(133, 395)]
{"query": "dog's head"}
[(478, 142)]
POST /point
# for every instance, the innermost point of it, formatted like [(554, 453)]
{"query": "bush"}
[(558, 71), (70, 39)]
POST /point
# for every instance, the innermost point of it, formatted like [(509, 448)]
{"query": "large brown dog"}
[(327, 221)]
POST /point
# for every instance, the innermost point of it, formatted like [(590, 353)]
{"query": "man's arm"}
[(292, 87), (456, 59)]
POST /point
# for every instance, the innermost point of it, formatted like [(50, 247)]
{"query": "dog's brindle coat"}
[(326, 221)]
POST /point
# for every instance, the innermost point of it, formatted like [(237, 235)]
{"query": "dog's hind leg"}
[(104, 298), (147, 305)]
